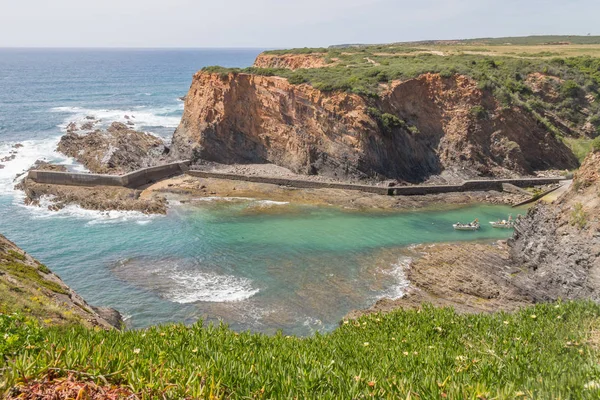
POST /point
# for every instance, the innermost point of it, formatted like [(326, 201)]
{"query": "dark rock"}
[(117, 150), (88, 126), (72, 127), (557, 246), (110, 315), (8, 158), (17, 145)]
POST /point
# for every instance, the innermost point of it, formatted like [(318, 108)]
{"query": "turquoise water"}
[(300, 270), (256, 265)]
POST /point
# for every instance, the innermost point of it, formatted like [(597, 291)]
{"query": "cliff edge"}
[(29, 287)]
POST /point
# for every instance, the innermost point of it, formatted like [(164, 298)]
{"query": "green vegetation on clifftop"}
[(566, 99), (543, 352)]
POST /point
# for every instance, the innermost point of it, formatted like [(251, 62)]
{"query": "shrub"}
[(374, 112), (578, 216), (596, 144), (296, 79), (571, 89), (479, 112), (504, 98), (390, 121)]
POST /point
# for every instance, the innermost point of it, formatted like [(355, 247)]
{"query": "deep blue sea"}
[(300, 270)]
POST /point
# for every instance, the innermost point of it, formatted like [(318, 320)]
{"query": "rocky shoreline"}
[(470, 277), (553, 255), (29, 287)]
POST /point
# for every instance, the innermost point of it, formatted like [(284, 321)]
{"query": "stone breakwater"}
[(412, 190), (132, 180), (149, 175)]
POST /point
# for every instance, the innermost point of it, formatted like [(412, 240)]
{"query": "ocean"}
[(298, 270)]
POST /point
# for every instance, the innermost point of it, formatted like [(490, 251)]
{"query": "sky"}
[(281, 23)]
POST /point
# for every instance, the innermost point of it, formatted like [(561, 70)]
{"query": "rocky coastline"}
[(553, 255), (29, 287)]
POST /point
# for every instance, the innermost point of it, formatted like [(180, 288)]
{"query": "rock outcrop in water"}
[(558, 245), (116, 150), (417, 129), (29, 287)]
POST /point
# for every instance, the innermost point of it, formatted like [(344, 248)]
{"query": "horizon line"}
[(132, 48), (277, 47)]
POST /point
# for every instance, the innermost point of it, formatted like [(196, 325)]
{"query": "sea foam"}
[(93, 217), (26, 156), (141, 117), (191, 287), (397, 272), (184, 285)]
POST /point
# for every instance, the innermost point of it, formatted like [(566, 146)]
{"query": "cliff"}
[(415, 129), (29, 287), (290, 61), (558, 245)]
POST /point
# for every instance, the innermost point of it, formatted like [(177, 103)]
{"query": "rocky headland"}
[(414, 131), (29, 287), (553, 255)]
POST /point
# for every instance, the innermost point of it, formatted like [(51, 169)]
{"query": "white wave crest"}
[(214, 198), (191, 287), (139, 116), (397, 272), (272, 203), (26, 156), (93, 217), (184, 285)]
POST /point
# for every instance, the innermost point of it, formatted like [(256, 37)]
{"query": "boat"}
[(473, 226), (504, 224)]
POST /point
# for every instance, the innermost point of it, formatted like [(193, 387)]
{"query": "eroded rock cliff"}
[(558, 245), (415, 129), (290, 61)]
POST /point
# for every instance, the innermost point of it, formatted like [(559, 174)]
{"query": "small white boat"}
[(473, 226), (504, 224)]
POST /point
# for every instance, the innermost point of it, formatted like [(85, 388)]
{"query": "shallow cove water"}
[(254, 264), (298, 269)]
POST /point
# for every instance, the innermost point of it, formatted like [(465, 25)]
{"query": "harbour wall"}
[(150, 175), (133, 179), (413, 190)]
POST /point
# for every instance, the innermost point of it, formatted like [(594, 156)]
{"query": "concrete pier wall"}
[(133, 179)]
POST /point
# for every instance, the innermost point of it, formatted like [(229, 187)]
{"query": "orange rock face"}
[(290, 61), (443, 126)]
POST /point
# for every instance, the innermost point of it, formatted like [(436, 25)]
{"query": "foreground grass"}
[(541, 352)]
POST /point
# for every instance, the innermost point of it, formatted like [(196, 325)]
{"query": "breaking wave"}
[(183, 285)]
